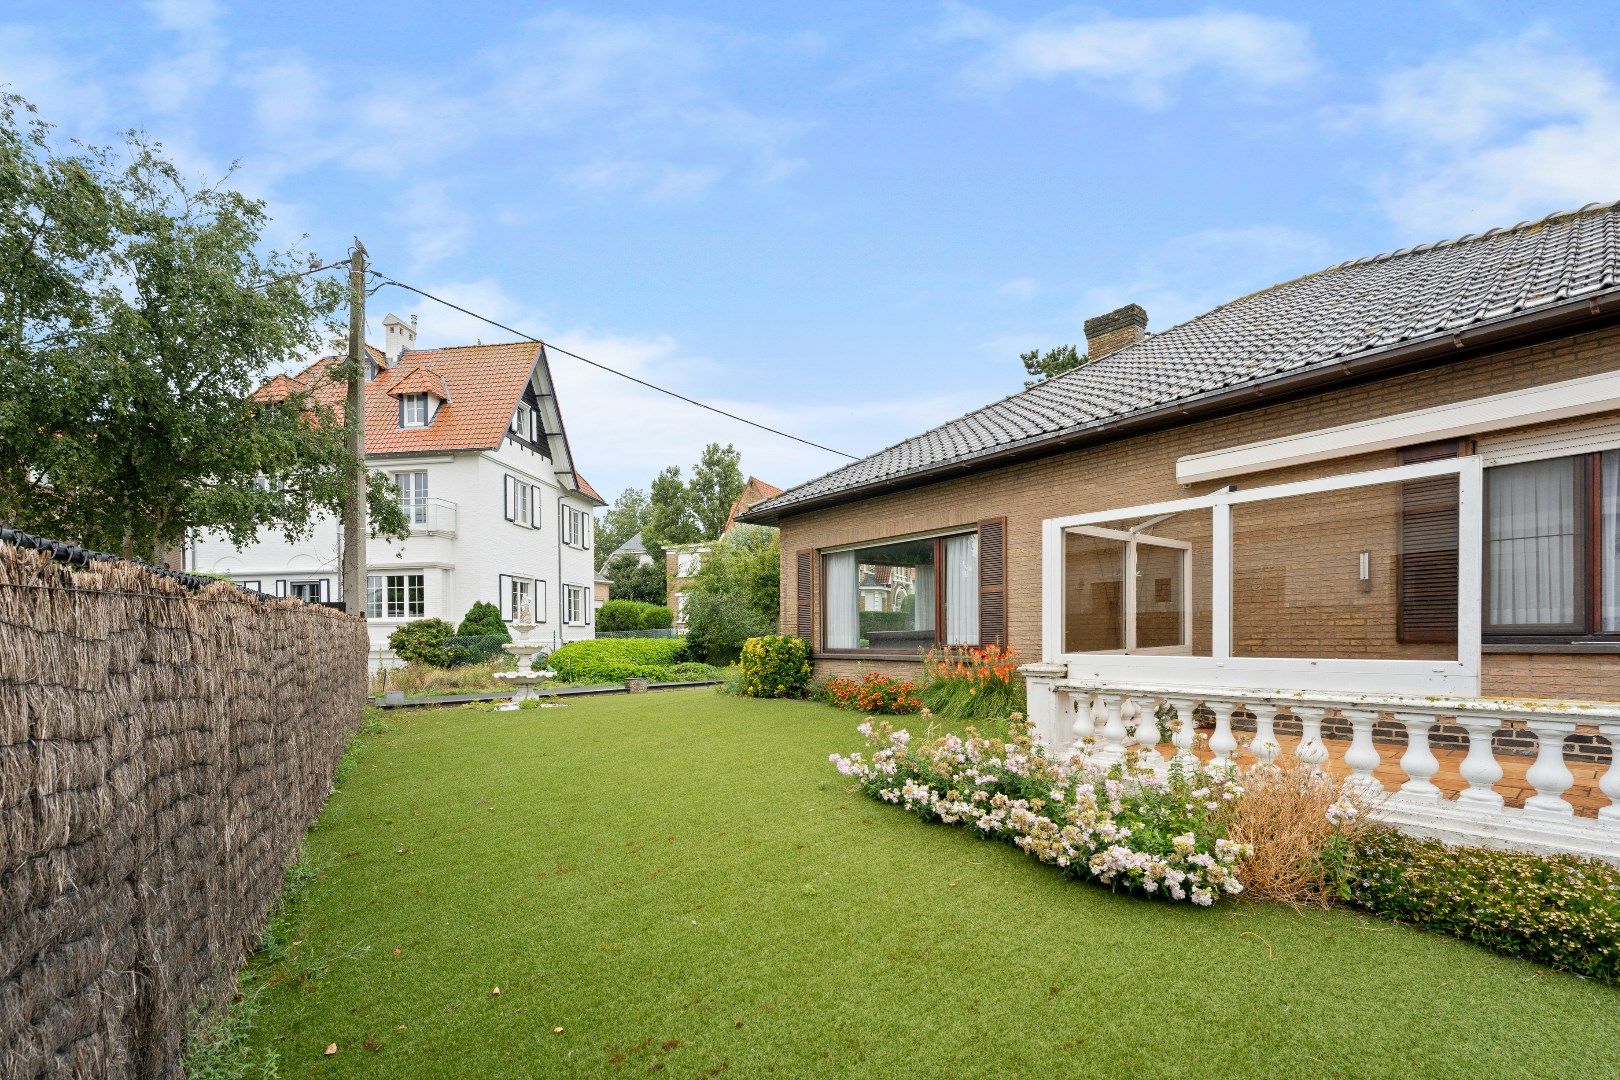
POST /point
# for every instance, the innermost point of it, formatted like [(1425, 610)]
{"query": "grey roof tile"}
[(1353, 309)]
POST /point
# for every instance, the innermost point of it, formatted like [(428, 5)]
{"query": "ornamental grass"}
[(1296, 824)]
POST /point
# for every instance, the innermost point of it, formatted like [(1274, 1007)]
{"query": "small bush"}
[(694, 672), (876, 694), (422, 642), (972, 683), (776, 666), (481, 619), (610, 660), (617, 616), (1559, 910)]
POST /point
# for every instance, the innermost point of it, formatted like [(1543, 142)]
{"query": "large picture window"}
[(1552, 548), (903, 595), (396, 596)]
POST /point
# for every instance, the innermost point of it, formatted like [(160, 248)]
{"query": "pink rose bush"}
[(1125, 826)]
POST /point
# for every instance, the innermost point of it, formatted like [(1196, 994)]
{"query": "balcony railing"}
[(430, 517), (1340, 733)]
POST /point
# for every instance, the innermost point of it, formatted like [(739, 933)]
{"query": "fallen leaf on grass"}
[(331, 1048), (556, 1031), (496, 992), (397, 952)]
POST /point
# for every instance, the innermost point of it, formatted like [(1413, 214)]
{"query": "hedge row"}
[(607, 660)]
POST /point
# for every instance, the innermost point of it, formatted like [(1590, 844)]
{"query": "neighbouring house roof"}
[(632, 546), (1402, 307), (754, 492), (480, 386)]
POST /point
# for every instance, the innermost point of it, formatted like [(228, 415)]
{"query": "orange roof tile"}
[(755, 491), (421, 379), (586, 489)]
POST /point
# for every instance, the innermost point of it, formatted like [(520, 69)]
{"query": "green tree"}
[(1053, 362), (619, 522), (670, 519), (735, 595), (137, 316), (633, 580), (484, 618), (716, 482)]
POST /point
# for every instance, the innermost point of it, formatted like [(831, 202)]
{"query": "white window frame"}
[(576, 605), (1131, 540), (412, 503), (379, 604), (408, 410), (522, 504), (1219, 670)]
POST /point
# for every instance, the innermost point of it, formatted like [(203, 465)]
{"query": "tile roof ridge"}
[(1529, 225)]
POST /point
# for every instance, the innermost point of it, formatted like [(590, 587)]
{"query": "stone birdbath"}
[(525, 678)]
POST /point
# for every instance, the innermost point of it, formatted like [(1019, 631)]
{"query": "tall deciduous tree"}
[(717, 480), (670, 516), (1056, 361), (619, 522), (735, 594), (137, 315)]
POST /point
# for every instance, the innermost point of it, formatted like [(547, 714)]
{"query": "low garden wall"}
[(164, 744)]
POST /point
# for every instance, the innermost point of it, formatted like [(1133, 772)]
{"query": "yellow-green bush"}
[(775, 667)]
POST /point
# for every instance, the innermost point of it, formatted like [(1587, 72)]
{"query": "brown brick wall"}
[(1142, 470)]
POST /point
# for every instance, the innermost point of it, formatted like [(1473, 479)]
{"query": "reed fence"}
[(164, 744)]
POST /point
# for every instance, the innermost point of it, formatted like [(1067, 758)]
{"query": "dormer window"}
[(413, 410)]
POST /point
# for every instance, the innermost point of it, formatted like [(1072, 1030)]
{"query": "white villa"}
[(473, 438)]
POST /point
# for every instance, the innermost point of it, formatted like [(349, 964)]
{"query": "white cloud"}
[(176, 80), (1495, 133), (1143, 60)]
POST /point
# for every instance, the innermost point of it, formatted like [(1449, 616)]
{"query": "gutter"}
[(1568, 314)]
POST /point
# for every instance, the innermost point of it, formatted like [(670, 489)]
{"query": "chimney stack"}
[(1112, 332), (398, 335)]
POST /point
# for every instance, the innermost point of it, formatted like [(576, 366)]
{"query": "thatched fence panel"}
[(163, 748)]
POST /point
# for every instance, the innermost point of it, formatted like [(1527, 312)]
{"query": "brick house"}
[(1393, 481)]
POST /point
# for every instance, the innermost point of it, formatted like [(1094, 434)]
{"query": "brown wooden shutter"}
[(993, 581), (1427, 576), (806, 559)]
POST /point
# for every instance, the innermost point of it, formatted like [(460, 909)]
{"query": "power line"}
[(610, 370)]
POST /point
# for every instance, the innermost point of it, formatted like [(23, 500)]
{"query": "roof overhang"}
[(1587, 312)]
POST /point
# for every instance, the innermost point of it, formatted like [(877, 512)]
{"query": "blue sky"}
[(844, 219)]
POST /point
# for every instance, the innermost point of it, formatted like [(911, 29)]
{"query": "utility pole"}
[(354, 441)]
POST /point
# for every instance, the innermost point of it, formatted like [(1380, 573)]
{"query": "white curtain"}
[(843, 601), (925, 596), (962, 589), (1530, 533), (1611, 541)]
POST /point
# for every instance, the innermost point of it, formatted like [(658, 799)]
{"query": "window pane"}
[(1337, 574), (1161, 607), (961, 577), (1532, 543), (1611, 542), (418, 598), (1093, 593), (896, 587)]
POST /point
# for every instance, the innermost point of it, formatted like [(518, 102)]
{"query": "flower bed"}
[(1123, 826), (875, 694), (972, 683)]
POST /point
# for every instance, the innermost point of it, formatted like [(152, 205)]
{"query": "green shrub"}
[(482, 619), (1559, 910), (618, 616), (465, 649), (422, 642), (609, 660), (885, 620), (776, 666)]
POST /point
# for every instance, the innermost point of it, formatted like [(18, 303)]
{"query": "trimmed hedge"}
[(1559, 910), (609, 660), (619, 615)]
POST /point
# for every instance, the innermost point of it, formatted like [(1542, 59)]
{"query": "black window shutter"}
[(534, 505), (503, 584), (1426, 581), (540, 609), (507, 485), (806, 559), (993, 581)]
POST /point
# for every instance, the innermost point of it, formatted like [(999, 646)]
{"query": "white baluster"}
[(1311, 751), (1114, 732), (1222, 743), (1147, 733), (1186, 735), (1610, 784), (1264, 745), (1419, 762), (1480, 768), (1085, 724), (1129, 710), (1549, 775), (1362, 757)]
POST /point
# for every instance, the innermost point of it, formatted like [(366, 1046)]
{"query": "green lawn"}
[(680, 882)]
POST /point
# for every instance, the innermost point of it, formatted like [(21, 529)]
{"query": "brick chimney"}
[(398, 336), (1112, 332)]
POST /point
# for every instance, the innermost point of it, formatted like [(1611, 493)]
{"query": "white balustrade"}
[(1477, 814), (1419, 762)]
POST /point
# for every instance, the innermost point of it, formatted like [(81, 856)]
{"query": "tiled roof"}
[(420, 379), (1352, 311), (481, 385), (586, 490), (755, 491)]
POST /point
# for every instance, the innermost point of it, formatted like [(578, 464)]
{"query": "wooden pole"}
[(354, 441)]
